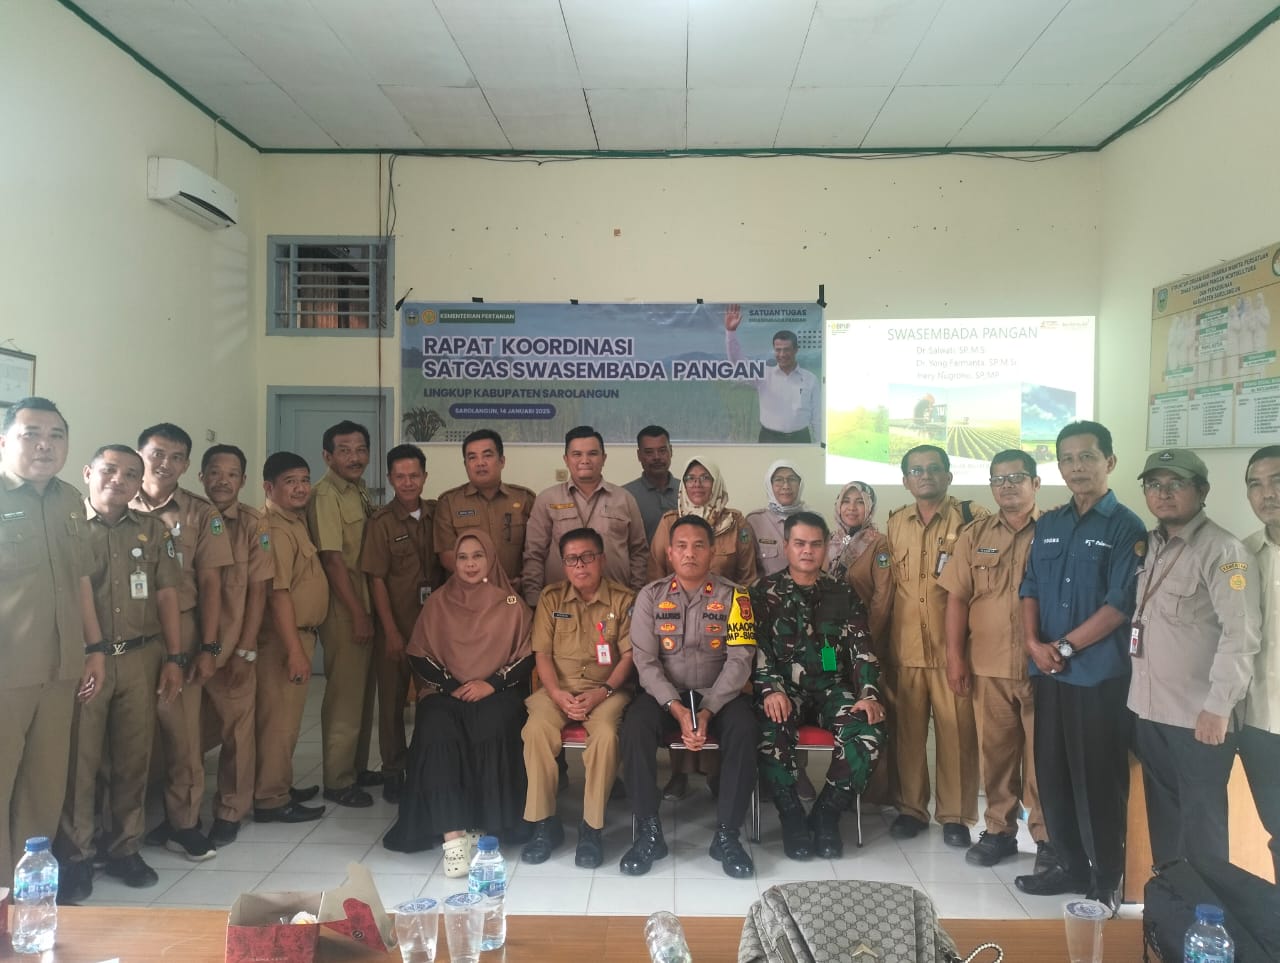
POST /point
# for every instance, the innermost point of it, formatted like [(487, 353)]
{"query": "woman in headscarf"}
[(783, 491), (471, 648), (859, 554), (702, 493)]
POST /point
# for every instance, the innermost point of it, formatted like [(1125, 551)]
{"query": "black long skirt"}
[(465, 770)]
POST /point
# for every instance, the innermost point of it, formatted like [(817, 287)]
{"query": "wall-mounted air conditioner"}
[(191, 192)]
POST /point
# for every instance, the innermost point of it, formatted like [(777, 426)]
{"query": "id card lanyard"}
[(138, 580), (1135, 630), (604, 654)]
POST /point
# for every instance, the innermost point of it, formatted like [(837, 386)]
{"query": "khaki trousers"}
[(35, 733), (181, 749), (541, 735), (346, 714), (392, 677), (1005, 710), (233, 708), (919, 694), (120, 722), (277, 721)]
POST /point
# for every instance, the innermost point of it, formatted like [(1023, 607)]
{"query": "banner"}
[(533, 371), (971, 386), (1215, 381)]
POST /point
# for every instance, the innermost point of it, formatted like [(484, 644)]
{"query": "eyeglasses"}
[(1166, 488), (790, 481), (1013, 478), (917, 472), (697, 479), (586, 558)]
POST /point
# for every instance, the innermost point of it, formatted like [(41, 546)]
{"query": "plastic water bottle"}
[(664, 936), (1207, 941), (35, 898), (488, 877)]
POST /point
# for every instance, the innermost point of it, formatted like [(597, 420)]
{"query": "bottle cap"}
[(38, 844), (487, 844), (1209, 913)]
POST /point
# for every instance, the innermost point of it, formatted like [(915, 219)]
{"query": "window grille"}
[(330, 285)]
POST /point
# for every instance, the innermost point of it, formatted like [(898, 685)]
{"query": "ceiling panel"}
[(745, 43), (618, 47), (865, 44), (266, 115), (734, 118), (401, 42), (978, 41), (924, 116), (638, 119), (356, 117), (1107, 110), (1020, 115), (542, 119), (449, 117), (1200, 33), (512, 43), (830, 117)]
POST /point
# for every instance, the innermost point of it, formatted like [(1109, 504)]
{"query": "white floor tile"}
[(109, 891), (551, 894), (381, 860), (396, 888), (1021, 865), (321, 858), (302, 882), (245, 856), (881, 864), (991, 901), (1039, 907), (345, 829), (254, 833), (631, 896), (772, 864), (725, 897), (949, 867), (928, 841), (212, 888)]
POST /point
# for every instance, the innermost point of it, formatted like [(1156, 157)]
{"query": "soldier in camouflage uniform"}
[(813, 662)]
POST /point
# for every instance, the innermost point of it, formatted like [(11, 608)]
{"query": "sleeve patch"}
[(1233, 567), (215, 525), (1237, 582), (264, 540), (882, 560), (1139, 548), (742, 629)]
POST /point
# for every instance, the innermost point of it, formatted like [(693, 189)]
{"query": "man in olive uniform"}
[(814, 659), (403, 569), (232, 689), (582, 646), (203, 549), (297, 605), (693, 641), (46, 620), (485, 501), (339, 509), (136, 576)]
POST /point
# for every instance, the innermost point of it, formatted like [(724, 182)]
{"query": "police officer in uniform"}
[(814, 659), (693, 640), (136, 577)]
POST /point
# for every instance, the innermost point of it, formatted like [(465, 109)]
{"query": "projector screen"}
[(972, 386)]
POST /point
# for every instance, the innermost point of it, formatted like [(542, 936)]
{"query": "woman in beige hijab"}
[(702, 493), (470, 647)]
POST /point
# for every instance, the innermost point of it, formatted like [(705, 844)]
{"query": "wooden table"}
[(92, 934)]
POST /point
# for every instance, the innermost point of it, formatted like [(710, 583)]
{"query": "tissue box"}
[(353, 912)]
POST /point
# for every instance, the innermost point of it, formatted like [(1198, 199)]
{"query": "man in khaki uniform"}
[(403, 570), (230, 692), (986, 658), (582, 646), (586, 500), (136, 576), (922, 540), (297, 605), (46, 620), (199, 537), (336, 517), (485, 501)]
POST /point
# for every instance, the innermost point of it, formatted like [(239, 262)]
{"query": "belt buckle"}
[(119, 648)]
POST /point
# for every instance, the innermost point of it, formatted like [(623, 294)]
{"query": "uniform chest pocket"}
[(617, 524), (351, 511), (768, 547), (987, 573), (403, 549), (669, 633), (19, 551), (1177, 599), (902, 562)]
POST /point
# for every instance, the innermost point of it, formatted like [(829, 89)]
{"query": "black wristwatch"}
[(212, 648), (1065, 648), (180, 659)]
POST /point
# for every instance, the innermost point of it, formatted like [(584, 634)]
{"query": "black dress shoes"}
[(547, 835), (906, 827), (294, 812), (957, 834), (1053, 883), (590, 852), (648, 846), (304, 793), (132, 871), (726, 849), (75, 883)]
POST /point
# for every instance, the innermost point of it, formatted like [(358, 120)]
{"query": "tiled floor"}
[(274, 857)]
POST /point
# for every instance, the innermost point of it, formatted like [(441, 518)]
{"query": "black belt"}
[(119, 646)]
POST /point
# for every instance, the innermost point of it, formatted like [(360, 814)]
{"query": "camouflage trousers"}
[(857, 742)]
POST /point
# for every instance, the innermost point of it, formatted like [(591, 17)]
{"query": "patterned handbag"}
[(849, 921)]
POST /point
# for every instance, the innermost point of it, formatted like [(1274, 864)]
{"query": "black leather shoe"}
[(824, 821), (796, 841), (1107, 896), (726, 849), (991, 848), (1046, 857), (906, 827), (75, 883), (547, 835), (304, 793), (1053, 883), (132, 871), (223, 831), (353, 797), (393, 787), (294, 812), (590, 852), (160, 835), (370, 777), (648, 846), (957, 834)]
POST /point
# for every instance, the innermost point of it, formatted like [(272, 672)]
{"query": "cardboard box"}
[(4, 913), (353, 912)]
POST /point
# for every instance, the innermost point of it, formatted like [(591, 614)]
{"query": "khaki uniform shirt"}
[(704, 641), (566, 627), (985, 573), (297, 570), (1262, 709), (919, 553), (43, 556), (250, 538), (398, 549), (610, 510), (1200, 624), (336, 517), (771, 555), (871, 576), (199, 537), (114, 562), (504, 517), (734, 550)]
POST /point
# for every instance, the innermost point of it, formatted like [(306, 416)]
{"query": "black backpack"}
[(1251, 906)]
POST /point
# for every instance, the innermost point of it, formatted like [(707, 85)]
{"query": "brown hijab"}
[(473, 630)]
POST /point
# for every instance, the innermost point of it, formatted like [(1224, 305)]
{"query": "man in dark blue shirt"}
[(1077, 603)]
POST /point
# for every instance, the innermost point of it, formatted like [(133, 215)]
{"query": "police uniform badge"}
[(668, 644)]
